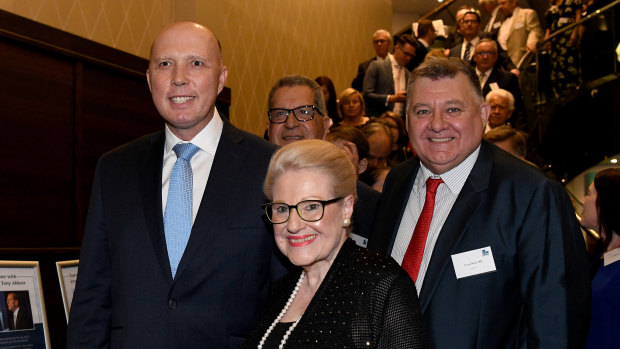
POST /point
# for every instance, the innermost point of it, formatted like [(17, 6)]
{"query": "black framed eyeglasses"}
[(302, 114), (308, 210)]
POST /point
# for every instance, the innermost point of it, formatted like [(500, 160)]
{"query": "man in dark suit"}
[(19, 318), (381, 41), (385, 82), (425, 38), (163, 270), (493, 77), (492, 244), (492, 21), (296, 112)]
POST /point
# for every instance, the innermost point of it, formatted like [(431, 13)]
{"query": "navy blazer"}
[(358, 81), (125, 296), (541, 283)]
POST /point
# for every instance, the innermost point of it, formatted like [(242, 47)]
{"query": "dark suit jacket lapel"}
[(468, 202), (487, 85), (228, 160), (396, 202), (150, 183)]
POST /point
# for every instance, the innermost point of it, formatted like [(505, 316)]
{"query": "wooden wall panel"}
[(36, 111)]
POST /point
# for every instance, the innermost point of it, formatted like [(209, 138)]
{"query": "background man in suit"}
[(493, 19), (296, 111), (519, 32), (163, 270), (469, 27), (493, 77), (381, 41), (298, 101), (426, 36), (492, 244), (385, 82), (19, 319)]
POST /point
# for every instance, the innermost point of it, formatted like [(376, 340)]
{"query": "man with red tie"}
[(492, 244)]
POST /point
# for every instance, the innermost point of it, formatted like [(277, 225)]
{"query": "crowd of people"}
[(381, 217)]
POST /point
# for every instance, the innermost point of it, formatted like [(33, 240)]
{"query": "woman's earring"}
[(346, 222)]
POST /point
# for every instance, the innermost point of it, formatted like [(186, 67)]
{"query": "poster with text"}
[(23, 324)]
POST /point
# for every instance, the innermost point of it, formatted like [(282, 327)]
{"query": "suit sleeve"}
[(358, 81), (553, 272), (371, 79), (533, 28), (402, 326), (90, 316)]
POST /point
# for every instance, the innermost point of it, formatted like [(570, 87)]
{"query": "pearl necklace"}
[(275, 322)]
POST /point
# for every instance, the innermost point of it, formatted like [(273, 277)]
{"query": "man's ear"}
[(485, 109), (363, 166)]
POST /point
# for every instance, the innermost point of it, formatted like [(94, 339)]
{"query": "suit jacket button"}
[(172, 304)]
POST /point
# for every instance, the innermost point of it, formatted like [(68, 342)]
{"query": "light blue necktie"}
[(178, 216)]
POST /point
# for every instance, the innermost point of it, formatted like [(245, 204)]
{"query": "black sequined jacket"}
[(365, 301)]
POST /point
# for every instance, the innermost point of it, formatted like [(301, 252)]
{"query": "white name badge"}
[(494, 86), (611, 256), (359, 240), (473, 262), (563, 20)]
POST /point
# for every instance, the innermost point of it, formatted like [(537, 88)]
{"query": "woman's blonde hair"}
[(313, 154), (345, 96)]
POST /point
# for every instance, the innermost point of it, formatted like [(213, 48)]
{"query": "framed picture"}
[(23, 323), (67, 275)]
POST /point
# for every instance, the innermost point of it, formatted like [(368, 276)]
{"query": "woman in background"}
[(342, 296), (351, 107), (601, 212), (329, 93), (564, 48)]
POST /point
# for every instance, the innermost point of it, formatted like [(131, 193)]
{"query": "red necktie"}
[(415, 250)]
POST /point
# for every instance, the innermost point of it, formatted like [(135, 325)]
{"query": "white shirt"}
[(472, 48), (504, 30), (398, 76), (485, 77), (15, 312), (491, 22), (207, 140), (447, 192)]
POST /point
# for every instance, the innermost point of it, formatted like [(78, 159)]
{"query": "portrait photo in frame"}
[(67, 276), (23, 322)]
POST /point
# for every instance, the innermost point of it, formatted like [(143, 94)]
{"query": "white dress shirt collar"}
[(454, 178), (207, 139)]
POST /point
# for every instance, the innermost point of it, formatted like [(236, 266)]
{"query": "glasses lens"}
[(304, 113), (278, 115), (277, 213), (310, 211)]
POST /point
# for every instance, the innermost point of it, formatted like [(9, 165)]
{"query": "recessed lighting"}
[(614, 161)]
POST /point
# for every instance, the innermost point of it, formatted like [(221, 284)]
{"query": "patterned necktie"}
[(178, 215), (481, 77), (415, 250), (467, 49)]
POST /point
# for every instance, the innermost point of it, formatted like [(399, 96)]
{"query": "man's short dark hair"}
[(506, 133), (424, 26), (351, 134), (406, 39), (436, 68), (299, 80)]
